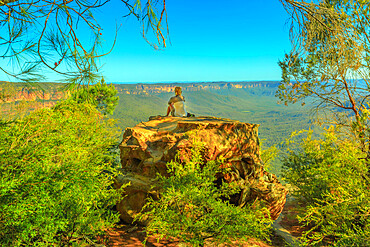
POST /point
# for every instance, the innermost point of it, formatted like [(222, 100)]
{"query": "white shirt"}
[(180, 109)]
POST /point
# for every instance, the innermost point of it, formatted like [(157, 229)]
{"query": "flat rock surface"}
[(170, 123)]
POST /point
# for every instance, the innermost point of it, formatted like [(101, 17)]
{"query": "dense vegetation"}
[(329, 66), (102, 96), (56, 164), (330, 180), (193, 207), (57, 174), (328, 175), (56, 170)]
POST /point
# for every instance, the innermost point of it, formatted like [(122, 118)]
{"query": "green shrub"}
[(268, 157), (190, 206), (56, 174), (330, 177), (102, 96)]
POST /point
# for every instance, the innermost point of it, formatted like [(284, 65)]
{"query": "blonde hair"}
[(178, 90)]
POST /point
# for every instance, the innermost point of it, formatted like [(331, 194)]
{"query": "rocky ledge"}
[(147, 147)]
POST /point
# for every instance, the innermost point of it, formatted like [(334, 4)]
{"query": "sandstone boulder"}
[(147, 147)]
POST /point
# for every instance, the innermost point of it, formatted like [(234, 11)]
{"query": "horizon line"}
[(174, 82)]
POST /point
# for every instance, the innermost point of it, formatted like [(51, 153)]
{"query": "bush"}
[(268, 157), (330, 177), (190, 206), (102, 96), (56, 177)]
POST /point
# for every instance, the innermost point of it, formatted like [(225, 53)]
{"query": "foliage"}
[(7, 90), (100, 95), (190, 206), (329, 68), (329, 62), (330, 177), (56, 177), (268, 155), (50, 36)]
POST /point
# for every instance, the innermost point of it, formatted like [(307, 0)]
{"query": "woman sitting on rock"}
[(176, 105)]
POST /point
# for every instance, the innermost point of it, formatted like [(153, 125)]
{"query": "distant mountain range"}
[(142, 88), (55, 91)]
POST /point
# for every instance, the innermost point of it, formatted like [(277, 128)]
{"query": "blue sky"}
[(210, 40), (216, 40)]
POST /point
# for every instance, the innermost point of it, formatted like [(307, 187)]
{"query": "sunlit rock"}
[(147, 147)]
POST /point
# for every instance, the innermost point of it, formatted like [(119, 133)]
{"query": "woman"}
[(176, 105)]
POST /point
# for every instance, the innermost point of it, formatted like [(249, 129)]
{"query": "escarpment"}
[(147, 147)]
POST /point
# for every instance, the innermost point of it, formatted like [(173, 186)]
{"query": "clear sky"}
[(211, 40)]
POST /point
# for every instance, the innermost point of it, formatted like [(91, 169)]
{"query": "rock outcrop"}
[(147, 147)]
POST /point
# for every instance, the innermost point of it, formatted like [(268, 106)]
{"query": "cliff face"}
[(190, 87), (31, 94), (55, 92), (18, 99), (147, 147)]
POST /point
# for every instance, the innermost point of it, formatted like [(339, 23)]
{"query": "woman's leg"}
[(168, 110)]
